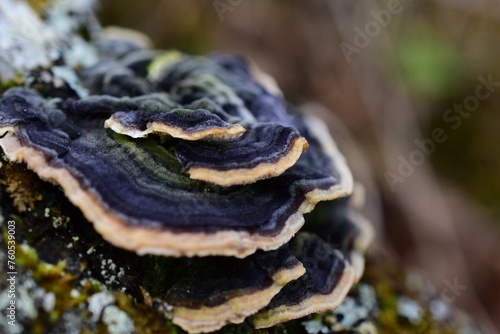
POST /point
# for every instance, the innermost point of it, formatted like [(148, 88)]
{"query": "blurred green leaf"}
[(427, 63)]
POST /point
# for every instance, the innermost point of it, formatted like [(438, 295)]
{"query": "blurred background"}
[(411, 92)]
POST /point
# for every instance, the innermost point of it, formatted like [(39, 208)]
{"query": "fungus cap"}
[(194, 156), (135, 193)]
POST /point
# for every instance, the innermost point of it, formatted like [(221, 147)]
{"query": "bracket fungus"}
[(226, 290), (201, 157)]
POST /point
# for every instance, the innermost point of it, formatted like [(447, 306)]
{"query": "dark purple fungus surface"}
[(135, 193), (155, 113), (196, 156), (219, 290), (327, 280), (228, 92), (274, 149)]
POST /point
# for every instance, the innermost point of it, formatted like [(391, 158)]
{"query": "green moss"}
[(14, 82), (52, 278), (389, 282), (146, 319)]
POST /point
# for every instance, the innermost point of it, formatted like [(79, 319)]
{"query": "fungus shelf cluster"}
[(200, 157)]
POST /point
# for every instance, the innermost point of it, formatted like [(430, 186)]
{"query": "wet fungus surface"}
[(200, 157)]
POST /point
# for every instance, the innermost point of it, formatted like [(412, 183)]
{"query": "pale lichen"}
[(97, 303), (118, 321), (28, 42)]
